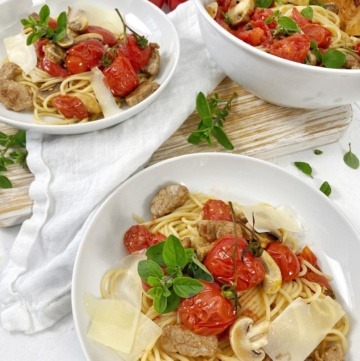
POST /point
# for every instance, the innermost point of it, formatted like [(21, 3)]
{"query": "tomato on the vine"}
[(216, 210), (222, 259), (207, 313), (70, 107), (121, 77), (84, 56), (138, 237), (286, 259)]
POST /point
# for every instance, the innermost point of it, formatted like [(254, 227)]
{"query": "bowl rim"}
[(262, 54)]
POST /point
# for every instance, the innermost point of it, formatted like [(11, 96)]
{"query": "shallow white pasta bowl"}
[(274, 79), (141, 15), (228, 177)]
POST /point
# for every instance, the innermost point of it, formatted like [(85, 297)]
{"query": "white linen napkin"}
[(73, 174)]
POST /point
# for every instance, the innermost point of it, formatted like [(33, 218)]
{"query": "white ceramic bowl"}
[(274, 79), (161, 30)]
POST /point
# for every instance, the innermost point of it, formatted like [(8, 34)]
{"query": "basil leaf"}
[(173, 302), (160, 301), (202, 106), (186, 287), (198, 270), (153, 281), (148, 268), (222, 138), (333, 59), (326, 188), (44, 14), (190, 253), (351, 159), (154, 253), (307, 12), (304, 167), (318, 151), (174, 253), (5, 182), (288, 24), (263, 3)]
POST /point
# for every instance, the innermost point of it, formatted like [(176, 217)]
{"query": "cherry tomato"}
[(207, 313), (52, 23), (299, 18), (70, 107), (54, 69), (294, 48), (39, 44), (357, 48), (121, 77), (108, 37), (138, 56), (84, 56), (220, 262), (318, 33), (264, 14), (158, 3), (308, 255), (253, 37), (216, 210), (174, 3), (286, 259), (138, 237)]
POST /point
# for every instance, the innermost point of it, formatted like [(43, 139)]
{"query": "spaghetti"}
[(254, 302)]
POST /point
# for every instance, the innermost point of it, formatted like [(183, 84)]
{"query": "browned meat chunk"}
[(9, 71), (15, 96), (168, 199), (153, 66), (141, 92), (334, 353), (177, 338), (213, 230)]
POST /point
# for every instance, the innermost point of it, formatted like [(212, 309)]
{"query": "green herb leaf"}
[(286, 25), (148, 268), (333, 59), (174, 253), (325, 188), (351, 159), (222, 138), (263, 3), (173, 302), (5, 182), (197, 270), (154, 253), (307, 12), (186, 287), (304, 167), (318, 151), (160, 301), (202, 107)]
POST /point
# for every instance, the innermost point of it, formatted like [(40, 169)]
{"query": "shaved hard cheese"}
[(295, 333), (270, 218), (103, 94), (21, 54)]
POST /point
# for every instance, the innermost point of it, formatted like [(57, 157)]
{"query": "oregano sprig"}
[(180, 278)]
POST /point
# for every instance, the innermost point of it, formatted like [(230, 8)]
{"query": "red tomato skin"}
[(54, 69), (357, 48), (108, 37), (263, 14), (318, 33), (130, 49), (173, 4), (207, 313), (253, 37), (121, 77), (286, 259), (85, 55), (52, 23), (70, 107), (39, 47), (158, 3), (293, 48), (220, 263), (216, 210), (299, 18)]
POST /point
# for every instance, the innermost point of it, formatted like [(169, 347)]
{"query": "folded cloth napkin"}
[(73, 174)]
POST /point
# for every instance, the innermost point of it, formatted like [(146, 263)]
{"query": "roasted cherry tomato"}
[(216, 210), (173, 4), (70, 107), (264, 14), (138, 237), (286, 259), (54, 69), (294, 48), (220, 262), (108, 37), (299, 18), (318, 33), (207, 313), (158, 3), (138, 56), (39, 44), (84, 56), (254, 36), (121, 77), (308, 255)]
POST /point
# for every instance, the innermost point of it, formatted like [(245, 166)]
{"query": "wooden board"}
[(255, 127)]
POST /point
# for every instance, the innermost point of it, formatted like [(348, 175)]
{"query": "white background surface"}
[(60, 342)]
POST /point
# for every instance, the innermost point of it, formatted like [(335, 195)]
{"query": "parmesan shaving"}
[(21, 54), (103, 94), (295, 333)]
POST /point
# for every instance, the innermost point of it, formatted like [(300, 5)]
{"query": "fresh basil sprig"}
[(212, 121), (180, 279), (12, 151), (41, 29)]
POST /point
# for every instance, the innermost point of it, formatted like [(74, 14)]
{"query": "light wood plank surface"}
[(256, 128)]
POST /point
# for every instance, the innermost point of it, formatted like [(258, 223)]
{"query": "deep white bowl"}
[(274, 79), (161, 31)]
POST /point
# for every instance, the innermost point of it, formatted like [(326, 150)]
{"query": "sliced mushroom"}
[(241, 12), (212, 9), (272, 280), (88, 36), (247, 339), (90, 103), (66, 42), (54, 53), (79, 24)]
